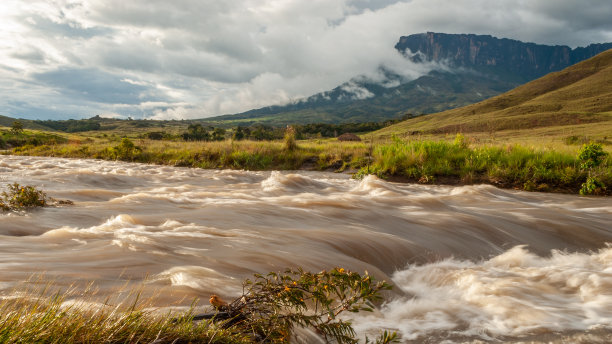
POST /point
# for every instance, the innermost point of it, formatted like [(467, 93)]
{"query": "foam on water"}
[(513, 294)]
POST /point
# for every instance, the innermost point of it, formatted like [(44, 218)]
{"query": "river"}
[(468, 264)]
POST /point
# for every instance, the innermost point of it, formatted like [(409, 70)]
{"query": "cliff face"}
[(526, 61)]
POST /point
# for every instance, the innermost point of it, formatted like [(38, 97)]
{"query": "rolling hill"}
[(578, 96)]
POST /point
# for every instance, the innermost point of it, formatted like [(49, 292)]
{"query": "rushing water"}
[(470, 263)]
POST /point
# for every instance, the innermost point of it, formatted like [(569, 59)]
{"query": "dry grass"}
[(38, 312)]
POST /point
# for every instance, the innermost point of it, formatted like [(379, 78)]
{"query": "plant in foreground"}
[(272, 305)]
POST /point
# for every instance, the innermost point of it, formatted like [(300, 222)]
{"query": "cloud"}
[(198, 58)]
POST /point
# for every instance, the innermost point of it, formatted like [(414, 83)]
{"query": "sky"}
[(180, 59)]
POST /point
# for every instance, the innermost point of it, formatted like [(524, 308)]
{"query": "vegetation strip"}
[(427, 162), (269, 310)]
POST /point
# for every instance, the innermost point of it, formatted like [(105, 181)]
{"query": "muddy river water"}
[(468, 264)]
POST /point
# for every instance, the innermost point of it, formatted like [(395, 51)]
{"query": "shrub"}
[(591, 155), (592, 186), (18, 197), (460, 141), (290, 143), (17, 127), (273, 305), (126, 150)]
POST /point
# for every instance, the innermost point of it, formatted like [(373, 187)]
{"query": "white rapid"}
[(468, 264)]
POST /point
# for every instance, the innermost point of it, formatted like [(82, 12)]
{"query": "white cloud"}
[(197, 58)]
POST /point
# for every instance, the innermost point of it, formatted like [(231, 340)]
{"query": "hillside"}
[(578, 96), (27, 124), (482, 66)]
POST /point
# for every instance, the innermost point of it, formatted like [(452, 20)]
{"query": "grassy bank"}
[(269, 310), (551, 169), (511, 166)]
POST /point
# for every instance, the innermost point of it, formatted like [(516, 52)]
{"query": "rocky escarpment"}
[(526, 61)]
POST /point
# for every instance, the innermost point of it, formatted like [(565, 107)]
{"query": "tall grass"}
[(44, 315), (506, 166)]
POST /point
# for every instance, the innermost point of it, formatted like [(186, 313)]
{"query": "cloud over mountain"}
[(198, 58)]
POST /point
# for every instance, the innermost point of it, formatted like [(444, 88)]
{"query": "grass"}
[(270, 308), (549, 166), (250, 155), (9, 139), (510, 166), (34, 314)]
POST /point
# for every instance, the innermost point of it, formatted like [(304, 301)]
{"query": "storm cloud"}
[(199, 58)]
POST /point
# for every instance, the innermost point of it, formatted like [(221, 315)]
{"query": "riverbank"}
[(426, 162)]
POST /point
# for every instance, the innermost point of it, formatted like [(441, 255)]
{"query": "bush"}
[(17, 127), (126, 150), (274, 304), (19, 197), (592, 186), (591, 155), (290, 143)]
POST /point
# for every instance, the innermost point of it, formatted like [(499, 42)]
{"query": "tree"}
[(17, 127), (238, 134), (218, 134)]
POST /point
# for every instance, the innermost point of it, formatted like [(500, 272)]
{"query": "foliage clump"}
[(591, 156), (273, 305), (17, 127), (19, 197), (290, 143), (126, 150)]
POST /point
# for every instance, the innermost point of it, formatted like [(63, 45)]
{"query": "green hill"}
[(578, 96)]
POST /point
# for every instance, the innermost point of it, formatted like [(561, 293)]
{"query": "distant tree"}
[(238, 134), (218, 134), (195, 132), (17, 127)]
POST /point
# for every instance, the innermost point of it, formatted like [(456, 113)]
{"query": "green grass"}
[(544, 167), (249, 155), (510, 166), (9, 139)]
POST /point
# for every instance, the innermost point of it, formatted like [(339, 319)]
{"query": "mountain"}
[(491, 55), (481, 66), (578, 97)]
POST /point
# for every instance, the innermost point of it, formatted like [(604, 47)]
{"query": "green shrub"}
[(591, 155), (126, 150), (274, 304), (19, 197), (592, 186)]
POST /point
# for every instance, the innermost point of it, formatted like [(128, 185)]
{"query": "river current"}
[(468, 264)]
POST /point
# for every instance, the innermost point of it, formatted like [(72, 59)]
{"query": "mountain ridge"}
[(488, 75)]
